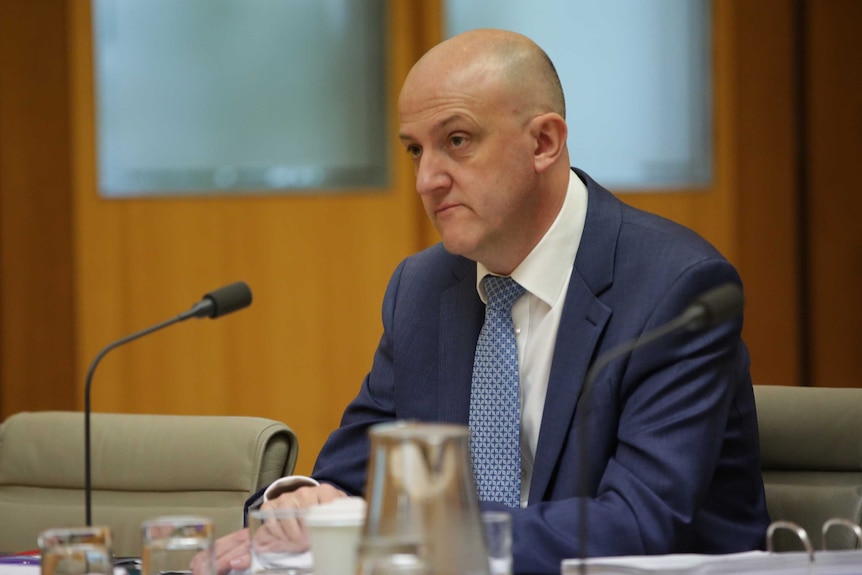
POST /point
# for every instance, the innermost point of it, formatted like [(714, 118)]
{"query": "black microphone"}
[(708, 310), (216, 303)]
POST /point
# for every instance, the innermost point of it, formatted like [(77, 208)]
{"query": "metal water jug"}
[(421, 494)]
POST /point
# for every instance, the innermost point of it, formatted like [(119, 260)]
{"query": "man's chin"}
[(459, 248)]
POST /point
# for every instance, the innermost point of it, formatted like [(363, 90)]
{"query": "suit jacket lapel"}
[(461, 316), (583, 320)]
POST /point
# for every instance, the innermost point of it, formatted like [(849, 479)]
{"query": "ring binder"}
[(799, 531), (770, 562), (844, 523)]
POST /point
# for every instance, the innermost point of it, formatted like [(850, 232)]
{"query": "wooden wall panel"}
[(834, 199), (37, 350), (765, 184)]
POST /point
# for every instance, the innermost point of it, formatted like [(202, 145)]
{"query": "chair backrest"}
[(811, 456), (143, 466)]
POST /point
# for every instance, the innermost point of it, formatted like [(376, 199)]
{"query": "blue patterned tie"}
[(495, 404)]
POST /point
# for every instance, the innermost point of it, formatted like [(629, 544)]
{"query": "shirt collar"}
[(547, 267)]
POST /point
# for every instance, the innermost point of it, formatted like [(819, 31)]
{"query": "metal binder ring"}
[(843, 522), (800, 533)]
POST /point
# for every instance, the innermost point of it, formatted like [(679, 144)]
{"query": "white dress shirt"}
[(545, 274)]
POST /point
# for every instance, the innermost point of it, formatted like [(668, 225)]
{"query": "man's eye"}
[(457, 141), (414, 151)]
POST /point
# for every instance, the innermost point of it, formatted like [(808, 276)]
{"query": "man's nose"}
[(432, 174)]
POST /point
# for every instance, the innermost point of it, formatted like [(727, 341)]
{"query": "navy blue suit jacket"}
[(673, 450)]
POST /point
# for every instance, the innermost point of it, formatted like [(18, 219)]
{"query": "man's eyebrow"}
[(445, 122), (451, 120)]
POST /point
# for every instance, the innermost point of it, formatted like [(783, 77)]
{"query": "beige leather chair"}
[(143, 466), (811, 454)]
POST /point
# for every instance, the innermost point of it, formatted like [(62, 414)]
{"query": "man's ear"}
[(550, 133)]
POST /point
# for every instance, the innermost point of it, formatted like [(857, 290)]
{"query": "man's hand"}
[(232, 551), (307, 496)]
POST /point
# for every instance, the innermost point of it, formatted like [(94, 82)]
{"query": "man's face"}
[(472, 155)]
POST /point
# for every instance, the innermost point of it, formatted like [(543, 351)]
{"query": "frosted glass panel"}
[(239, 95), (636, 74)]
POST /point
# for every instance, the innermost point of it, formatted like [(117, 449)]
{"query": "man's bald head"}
[(510, 63)]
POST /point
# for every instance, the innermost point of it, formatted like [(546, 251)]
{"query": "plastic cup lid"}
[(344, 511)]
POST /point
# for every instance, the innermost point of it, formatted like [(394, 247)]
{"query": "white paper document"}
[(751, 562)]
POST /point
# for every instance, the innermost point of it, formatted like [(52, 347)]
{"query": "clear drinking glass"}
[(76, 551), (278, 541), (498, 537), (168, 545)]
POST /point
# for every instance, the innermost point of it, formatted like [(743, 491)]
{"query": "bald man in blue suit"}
[(672, 447)]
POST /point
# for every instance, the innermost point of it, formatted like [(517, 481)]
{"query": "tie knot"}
[(502, 291)]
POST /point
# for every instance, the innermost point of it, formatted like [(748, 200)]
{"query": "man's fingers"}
[(230, 552), (308, 496)]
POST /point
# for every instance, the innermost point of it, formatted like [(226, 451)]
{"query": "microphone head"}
[(227, 299), (716, 306)]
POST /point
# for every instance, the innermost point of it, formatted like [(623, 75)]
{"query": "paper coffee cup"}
[(334, 530)]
